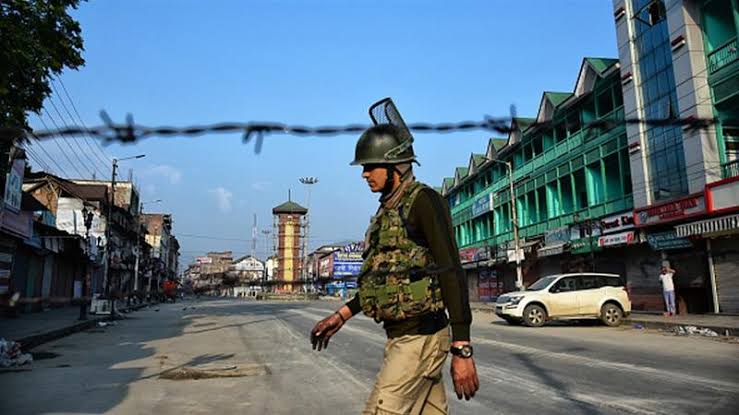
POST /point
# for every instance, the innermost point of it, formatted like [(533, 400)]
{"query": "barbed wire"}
[(130, 132)]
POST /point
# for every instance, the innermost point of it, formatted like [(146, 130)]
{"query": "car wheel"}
[(611, 315), (534, 316)]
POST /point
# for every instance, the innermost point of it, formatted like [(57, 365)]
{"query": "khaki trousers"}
[(410, 380)]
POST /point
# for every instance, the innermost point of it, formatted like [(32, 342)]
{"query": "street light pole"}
[(308, 181), (138, 244), (514, 217), (266, 233), (108, 233)]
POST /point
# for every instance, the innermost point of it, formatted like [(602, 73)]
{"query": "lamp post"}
[(266, 233), (514, 215), (308, 181), (108, 233), (87, 216)]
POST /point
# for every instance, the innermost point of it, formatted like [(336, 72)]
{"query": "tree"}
[(38, 39)]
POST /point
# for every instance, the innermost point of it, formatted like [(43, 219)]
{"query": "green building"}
[(566, 175)]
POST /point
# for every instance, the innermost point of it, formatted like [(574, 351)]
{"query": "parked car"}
[(567, 296)]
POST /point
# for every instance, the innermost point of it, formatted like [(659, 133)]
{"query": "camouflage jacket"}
[(395, 282)]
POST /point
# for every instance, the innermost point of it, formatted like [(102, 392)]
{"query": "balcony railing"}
[(730, 169), (722, 56)]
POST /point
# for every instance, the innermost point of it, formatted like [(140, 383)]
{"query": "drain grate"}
[(195, 373)]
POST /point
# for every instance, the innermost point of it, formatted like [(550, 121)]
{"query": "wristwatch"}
[(464, 351)]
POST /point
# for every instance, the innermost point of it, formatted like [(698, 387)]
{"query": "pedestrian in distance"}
[(410, 279), (668, 289)]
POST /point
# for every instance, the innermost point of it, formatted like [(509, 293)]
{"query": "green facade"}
[(720, 28), (560, 169)]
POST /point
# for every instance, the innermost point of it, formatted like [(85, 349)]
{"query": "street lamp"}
[(108, 233), (308, 181), (87, 217), (514, 214)]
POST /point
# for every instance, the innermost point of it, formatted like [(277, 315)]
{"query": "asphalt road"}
[(262, 358)]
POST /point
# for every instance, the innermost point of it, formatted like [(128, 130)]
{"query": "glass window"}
[(604, 103), (589, 282), (567, 284)]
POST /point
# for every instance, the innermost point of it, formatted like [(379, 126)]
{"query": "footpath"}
[(721, 324), (33, 329)]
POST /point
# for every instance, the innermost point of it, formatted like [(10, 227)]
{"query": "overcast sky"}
[(312, 63)]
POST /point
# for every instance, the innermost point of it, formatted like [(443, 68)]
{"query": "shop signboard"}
[(13, 185), (487, 288), (557, 236), (617, 223), (664, 241), (585, 245), (482, 205), (623, 238), (671, 211), (723, 196), (348, 261), (468, 254)]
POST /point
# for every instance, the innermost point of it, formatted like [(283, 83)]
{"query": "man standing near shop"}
[(668, 288), (411, 277)]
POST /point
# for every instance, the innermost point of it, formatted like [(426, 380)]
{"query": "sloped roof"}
[(523, 122), (289, 207), (601, 65), (461, 172), (478, 158), (498, 143), (448, 181), (557, 98)]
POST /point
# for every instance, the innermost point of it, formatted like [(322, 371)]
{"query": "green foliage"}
[(38, 39)]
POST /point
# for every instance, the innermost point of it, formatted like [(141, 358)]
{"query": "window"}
[(565, 285), (604, 103), (581, 190), (589, 282), (719, 23), (565, 190)]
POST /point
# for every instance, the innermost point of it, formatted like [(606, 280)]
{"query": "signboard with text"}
[(623, 238), (348, 261), (482, 205), (671, 211), (664, 241), (617, 223)]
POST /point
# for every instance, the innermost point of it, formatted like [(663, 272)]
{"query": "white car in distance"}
[(567, 296)]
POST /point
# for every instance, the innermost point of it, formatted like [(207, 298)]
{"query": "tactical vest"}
[(395, 281)]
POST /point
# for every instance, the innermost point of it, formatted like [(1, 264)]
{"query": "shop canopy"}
[(710, 227)]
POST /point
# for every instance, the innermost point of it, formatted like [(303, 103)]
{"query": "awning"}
[(550, 250), (723, 224)]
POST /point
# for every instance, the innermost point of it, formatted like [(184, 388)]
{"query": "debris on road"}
[(639, 326), (232, 371), (693, 331), (107, 323), (11, 355)]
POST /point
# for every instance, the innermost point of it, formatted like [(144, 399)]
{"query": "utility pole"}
[(514, 217), (139, 222), (267, 250), (308, 181), (108, 233)]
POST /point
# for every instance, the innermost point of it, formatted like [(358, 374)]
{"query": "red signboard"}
[(671, 211), (723, 196), (468, 254)]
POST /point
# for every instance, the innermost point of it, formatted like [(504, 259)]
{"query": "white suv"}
[(567, 296)]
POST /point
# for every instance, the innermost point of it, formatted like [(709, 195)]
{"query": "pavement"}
[(33, 329), (721, 324), (258, 359)]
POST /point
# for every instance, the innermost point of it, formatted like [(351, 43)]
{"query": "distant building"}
[(289, 223)]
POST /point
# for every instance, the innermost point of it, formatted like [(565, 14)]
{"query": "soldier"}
[(411, 277)]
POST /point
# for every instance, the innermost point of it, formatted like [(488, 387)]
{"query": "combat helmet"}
[(389, 141)]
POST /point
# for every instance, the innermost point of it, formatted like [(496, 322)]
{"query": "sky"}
[(316, 63)]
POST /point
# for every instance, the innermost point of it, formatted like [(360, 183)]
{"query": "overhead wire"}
[(61, 149), (74, 140), (98, 150)]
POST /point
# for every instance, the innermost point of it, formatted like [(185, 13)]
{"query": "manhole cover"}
[(211, 372)]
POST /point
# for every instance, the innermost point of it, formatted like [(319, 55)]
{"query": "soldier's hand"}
[(464, 375), (324, 329)]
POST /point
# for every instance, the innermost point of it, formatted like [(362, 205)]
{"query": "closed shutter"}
[(726, 267)]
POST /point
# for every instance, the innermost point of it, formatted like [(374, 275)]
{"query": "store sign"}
[(585, 245), (617, 223), (663, 241), (623, 238), (482, 205), (348, 261), (468, 254), (557, 236), (723, 196), (14, 184), (668, 212)]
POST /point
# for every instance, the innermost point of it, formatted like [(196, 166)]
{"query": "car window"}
[(541, 284), (565, 285), (614, 282), (590, 282)]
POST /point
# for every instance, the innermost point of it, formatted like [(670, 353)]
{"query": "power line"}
[(53, 160), (61, 149), (105, 159), (73, 138)]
